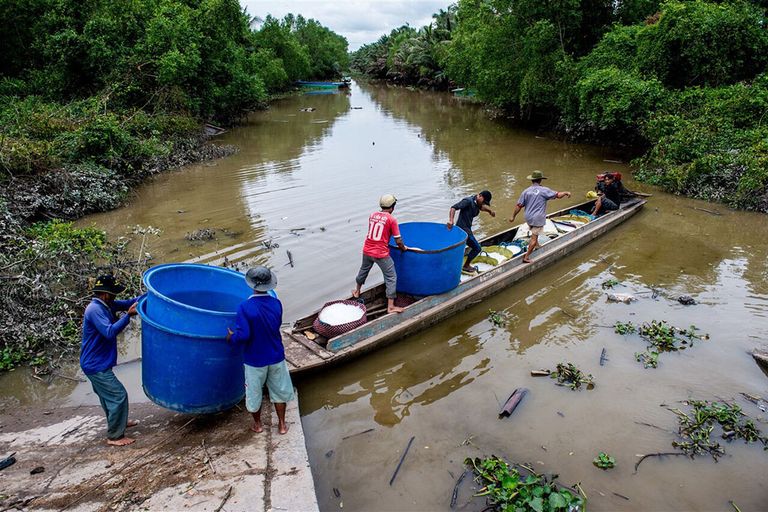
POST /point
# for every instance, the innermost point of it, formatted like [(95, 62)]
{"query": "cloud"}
[(360, 21)]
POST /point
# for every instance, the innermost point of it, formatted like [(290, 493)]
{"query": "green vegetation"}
[(624, 328), (507, 489), (44, 287), (568, 374), (94, 97), (604, 461), (649, 358), (661, 337), (410, 56), (697, 425), (498, 318), (684, 81)]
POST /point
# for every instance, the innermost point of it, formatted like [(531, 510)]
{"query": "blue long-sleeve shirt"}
[(257, 327), (98, 351)]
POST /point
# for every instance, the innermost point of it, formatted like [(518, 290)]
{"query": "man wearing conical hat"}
[(534, 200)]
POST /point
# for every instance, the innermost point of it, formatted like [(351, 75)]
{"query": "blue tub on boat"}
[(435, 270), (187, 365)]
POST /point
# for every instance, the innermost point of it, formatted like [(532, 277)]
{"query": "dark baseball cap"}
[(486, 196)]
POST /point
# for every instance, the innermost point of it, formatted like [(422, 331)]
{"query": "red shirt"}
[(381, 225)]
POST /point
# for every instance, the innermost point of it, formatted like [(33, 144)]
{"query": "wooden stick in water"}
[(401, 460)]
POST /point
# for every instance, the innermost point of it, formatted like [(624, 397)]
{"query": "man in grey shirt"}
[(534, 200)]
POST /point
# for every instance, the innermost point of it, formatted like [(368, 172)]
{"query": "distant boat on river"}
[(343, 84)]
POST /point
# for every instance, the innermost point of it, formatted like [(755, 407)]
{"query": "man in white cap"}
[(381, 226), (257, 327), (534, 200)]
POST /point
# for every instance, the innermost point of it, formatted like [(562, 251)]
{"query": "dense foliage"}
[(410, 56), (94, 96), (684, 80)]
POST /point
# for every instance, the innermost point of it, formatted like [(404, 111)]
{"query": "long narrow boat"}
[(305, 350), (322, 85)]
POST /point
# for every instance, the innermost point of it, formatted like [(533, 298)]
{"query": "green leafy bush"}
[(58, 235), (704, 43), (615, 100)]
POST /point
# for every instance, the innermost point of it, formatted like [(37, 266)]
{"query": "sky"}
[(360, 21)]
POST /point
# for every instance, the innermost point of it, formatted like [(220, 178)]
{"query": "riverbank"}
[(46, 262), (178, 461)]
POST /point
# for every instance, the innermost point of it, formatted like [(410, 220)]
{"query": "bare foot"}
[(131, 423), (283, 429), (123, 441), (355, 294), (527, 261), (256, 427), (395, 309)]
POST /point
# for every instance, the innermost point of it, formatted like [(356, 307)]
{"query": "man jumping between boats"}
[(381, 225), (534, 200), (469, 208)]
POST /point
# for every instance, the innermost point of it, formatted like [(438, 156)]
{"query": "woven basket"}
[(331, 331)]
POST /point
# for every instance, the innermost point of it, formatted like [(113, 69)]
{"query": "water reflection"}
[(413, 373)]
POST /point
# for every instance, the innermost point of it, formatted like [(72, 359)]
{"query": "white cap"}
[(387, 201)]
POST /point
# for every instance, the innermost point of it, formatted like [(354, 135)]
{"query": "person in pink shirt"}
[(381, 225)]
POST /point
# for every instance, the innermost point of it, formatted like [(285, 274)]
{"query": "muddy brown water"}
[(306, 181)]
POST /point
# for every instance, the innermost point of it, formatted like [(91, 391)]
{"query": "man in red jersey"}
[(381, 225)]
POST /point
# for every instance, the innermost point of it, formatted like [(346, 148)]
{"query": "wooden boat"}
[(322, 85), (305, 350)]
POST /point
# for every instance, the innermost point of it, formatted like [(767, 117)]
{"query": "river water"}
[(304, 183)]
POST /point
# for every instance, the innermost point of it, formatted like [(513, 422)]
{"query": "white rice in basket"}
[(338, 314)]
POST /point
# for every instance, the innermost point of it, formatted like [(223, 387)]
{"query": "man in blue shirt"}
[(469, 208), (534, 200), (257, 327), (98, 354)]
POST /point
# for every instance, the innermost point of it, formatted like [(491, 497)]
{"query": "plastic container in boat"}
[(193, 298), (436, 268), (189, 372)]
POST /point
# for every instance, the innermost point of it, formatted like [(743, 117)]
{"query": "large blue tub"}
[(198, 299), (188, 372), (437, 268)]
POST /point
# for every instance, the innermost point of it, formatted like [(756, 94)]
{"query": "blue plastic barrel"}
[(199, 299), (188, 372), (435, 270)]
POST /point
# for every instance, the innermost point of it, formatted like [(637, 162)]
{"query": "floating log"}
[(540, 373), (512, 402)]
